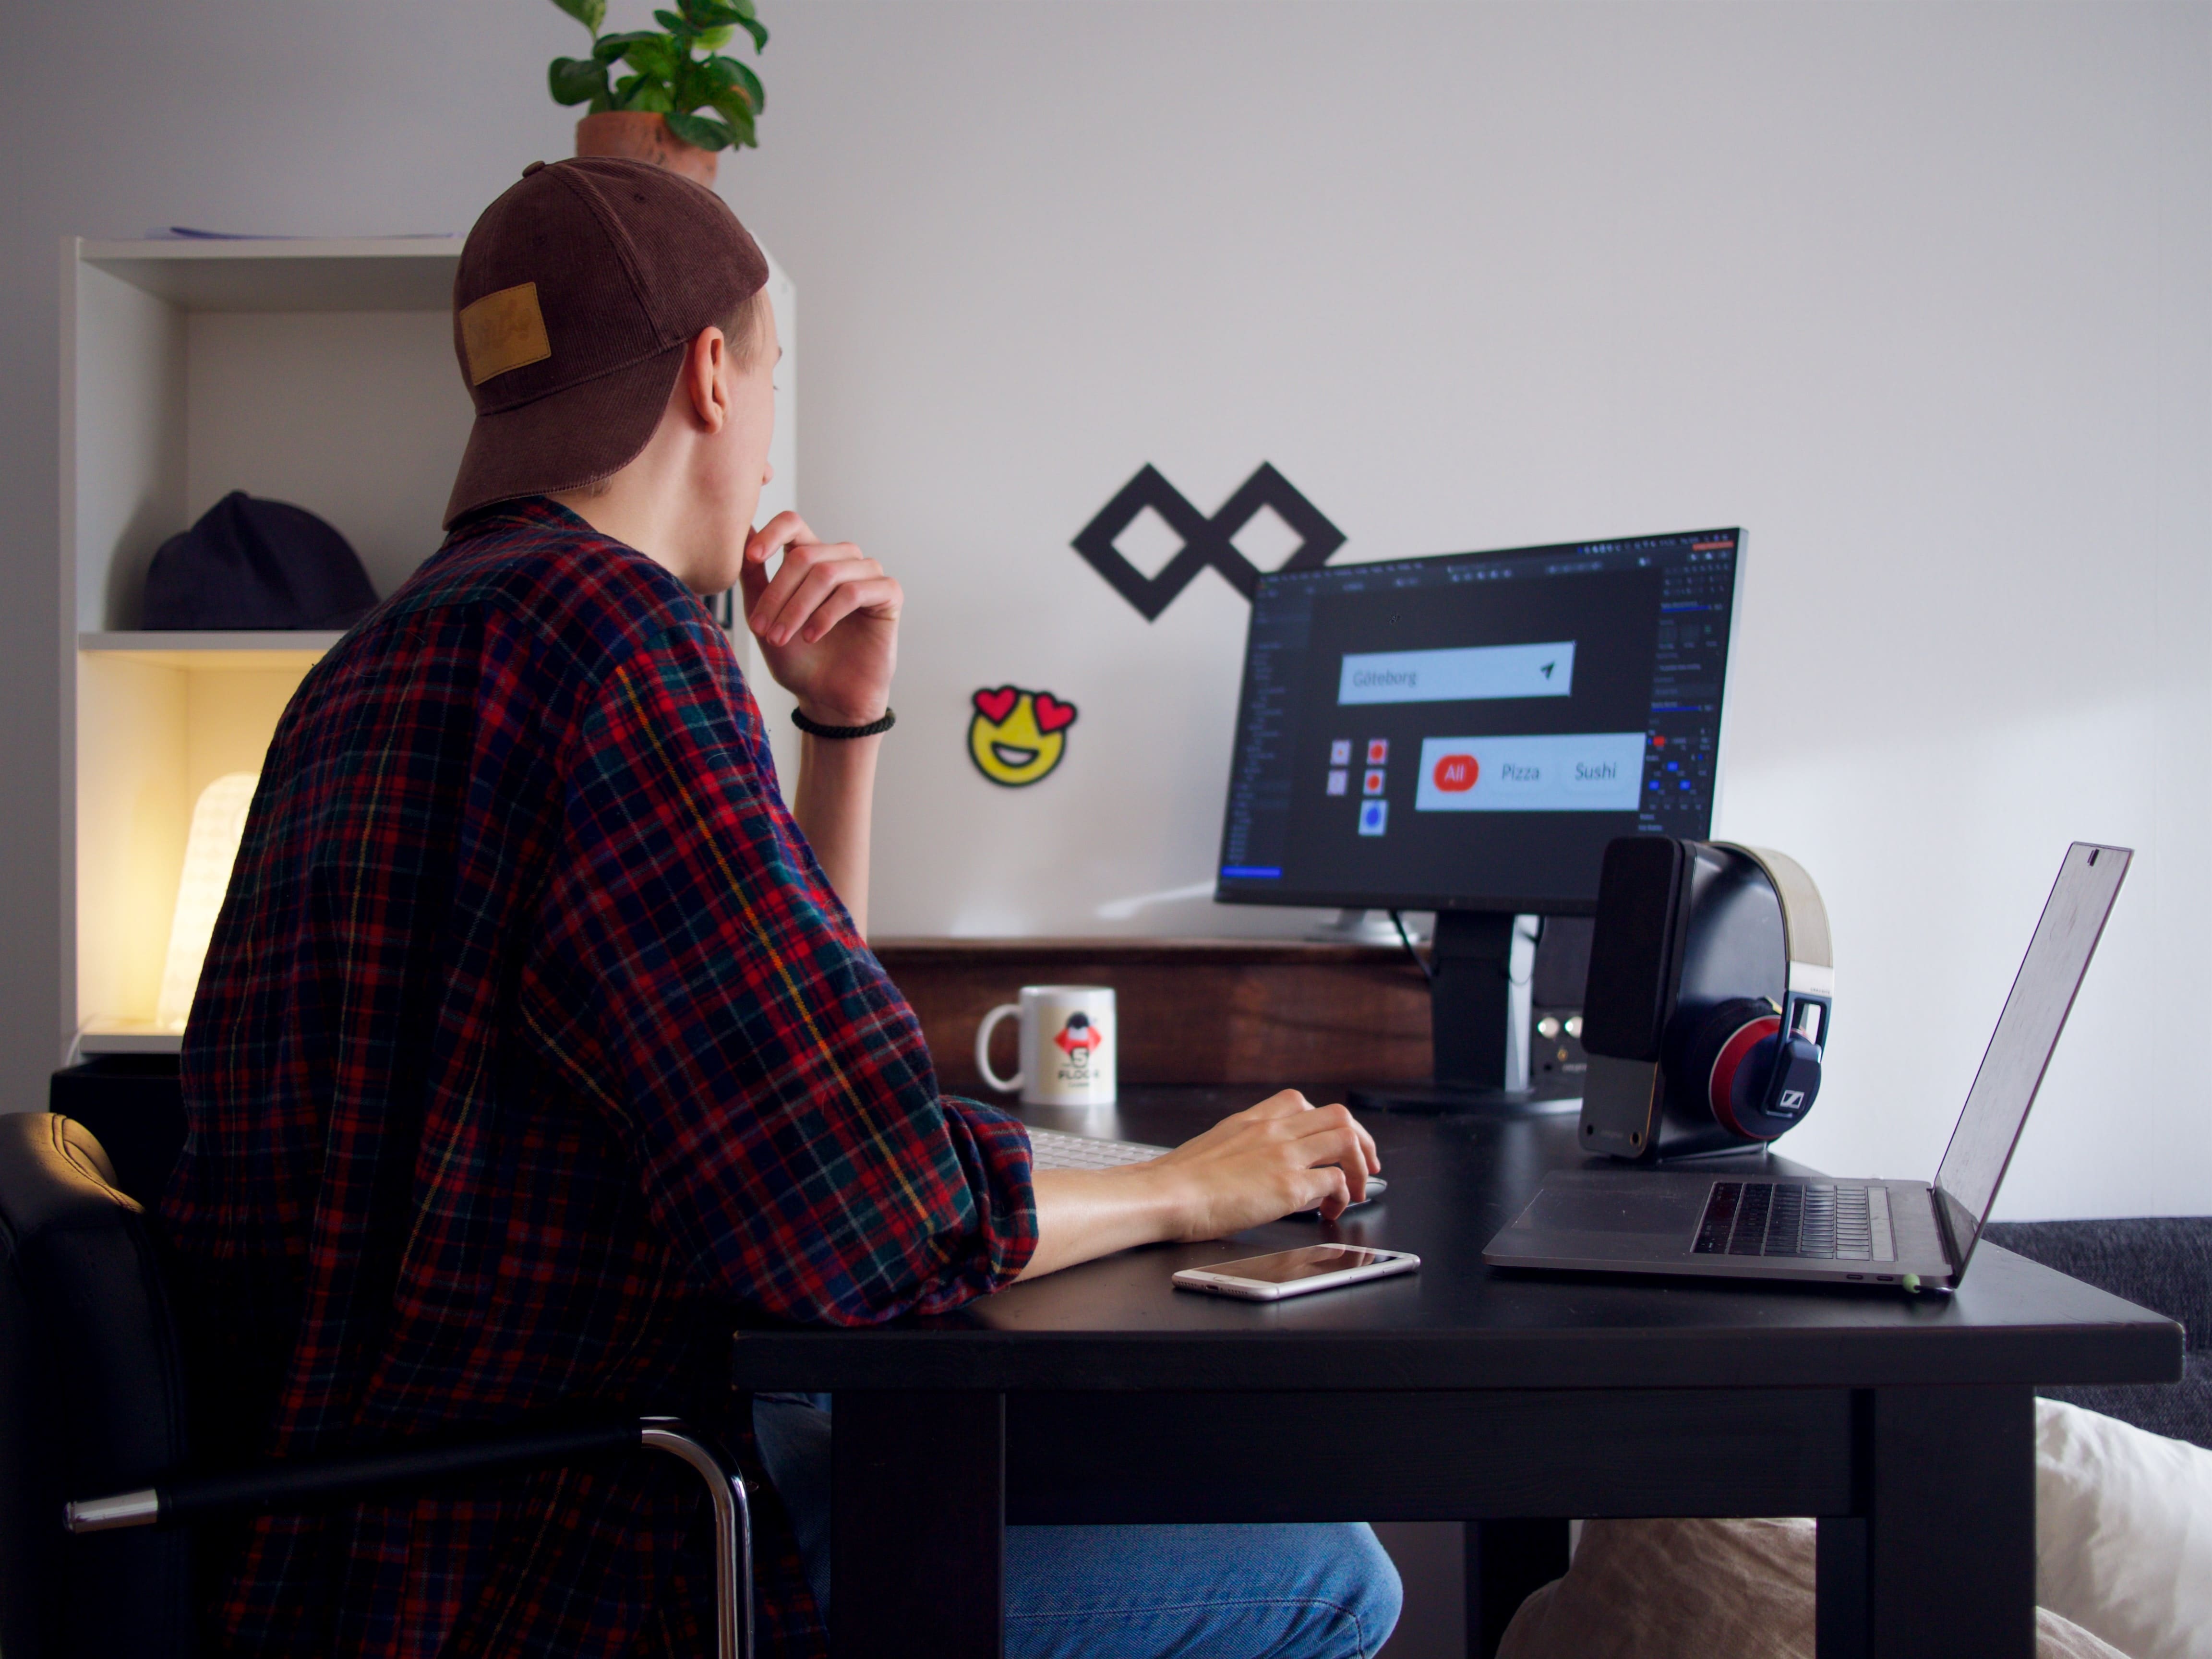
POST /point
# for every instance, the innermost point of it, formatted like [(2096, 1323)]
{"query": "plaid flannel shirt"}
[(533, 1054)]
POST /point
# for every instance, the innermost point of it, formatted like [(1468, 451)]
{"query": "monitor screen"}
[(1467, 732)]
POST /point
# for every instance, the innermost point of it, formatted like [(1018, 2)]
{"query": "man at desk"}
[(538, 1043)]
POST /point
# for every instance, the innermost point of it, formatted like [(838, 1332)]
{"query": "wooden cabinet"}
[(1257, 1013)]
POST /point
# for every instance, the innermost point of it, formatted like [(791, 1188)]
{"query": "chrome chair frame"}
[(314, 1482)]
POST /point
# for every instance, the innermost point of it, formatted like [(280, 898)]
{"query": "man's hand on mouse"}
[(1274, 1159), (1280, 1158), (827, 621)]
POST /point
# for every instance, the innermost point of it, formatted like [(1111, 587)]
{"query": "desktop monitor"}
[(1464, 733)]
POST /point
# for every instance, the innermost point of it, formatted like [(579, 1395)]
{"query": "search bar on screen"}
[(1466, 674)]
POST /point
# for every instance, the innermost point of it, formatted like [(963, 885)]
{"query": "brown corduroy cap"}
[(578, 291)]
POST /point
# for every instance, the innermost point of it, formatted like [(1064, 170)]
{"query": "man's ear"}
[(706, 365)]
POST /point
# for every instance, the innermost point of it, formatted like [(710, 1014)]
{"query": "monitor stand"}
[(1479, 1011)]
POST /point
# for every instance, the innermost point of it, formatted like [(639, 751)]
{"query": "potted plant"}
[(654, 112)]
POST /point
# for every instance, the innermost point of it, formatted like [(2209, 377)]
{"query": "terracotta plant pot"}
[(643, 135)]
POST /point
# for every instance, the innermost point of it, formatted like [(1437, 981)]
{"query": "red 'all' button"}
[(1456, 773)]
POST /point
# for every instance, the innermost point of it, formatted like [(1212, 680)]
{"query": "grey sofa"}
[(2159, 1262)]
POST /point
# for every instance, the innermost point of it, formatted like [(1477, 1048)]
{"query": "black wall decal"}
[(1205, 541)]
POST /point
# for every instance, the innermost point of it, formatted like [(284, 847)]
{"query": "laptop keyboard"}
[(1810, 1220)]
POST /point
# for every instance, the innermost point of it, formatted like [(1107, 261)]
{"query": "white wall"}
[(1919, 295)]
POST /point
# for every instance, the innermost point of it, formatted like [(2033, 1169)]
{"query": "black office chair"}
[(92, 1410)]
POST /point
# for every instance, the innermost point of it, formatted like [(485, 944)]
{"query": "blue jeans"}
[(1259, 1592)]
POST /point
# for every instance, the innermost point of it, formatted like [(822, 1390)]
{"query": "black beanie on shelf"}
[(250, 563)]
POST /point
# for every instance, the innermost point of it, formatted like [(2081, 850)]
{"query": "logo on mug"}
[(1076, 1039), (1079, 1036)]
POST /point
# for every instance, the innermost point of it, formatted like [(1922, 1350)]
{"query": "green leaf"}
[(608, 47), (590, 13), (715, 39), (654, 55), (727, 13), (737, 114), (653, 95), (698, 130), (726, 73), (575, 81), (686, 92)]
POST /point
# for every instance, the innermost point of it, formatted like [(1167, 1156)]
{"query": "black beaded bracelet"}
[(816, 729)]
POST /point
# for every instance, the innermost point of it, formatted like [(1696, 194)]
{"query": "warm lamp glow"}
[(218, 824)]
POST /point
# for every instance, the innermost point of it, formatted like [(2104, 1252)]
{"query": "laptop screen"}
[(2028, 1031)]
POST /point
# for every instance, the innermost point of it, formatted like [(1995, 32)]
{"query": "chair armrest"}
[(311, 1483), (305, 1485)]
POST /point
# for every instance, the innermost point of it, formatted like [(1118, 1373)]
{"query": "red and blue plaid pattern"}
[(533, 1054)]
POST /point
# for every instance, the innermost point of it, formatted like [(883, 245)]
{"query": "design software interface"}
[(1475, 726)]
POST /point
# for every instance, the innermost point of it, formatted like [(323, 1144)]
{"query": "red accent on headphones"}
[(1721, 1082)]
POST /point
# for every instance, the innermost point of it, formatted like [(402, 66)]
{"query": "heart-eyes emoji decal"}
[(1017, 737)]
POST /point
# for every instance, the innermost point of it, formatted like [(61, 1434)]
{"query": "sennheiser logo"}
[(1793, 1100), (1205, 541)]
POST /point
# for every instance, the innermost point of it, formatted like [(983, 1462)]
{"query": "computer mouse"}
[(1376, 1188)]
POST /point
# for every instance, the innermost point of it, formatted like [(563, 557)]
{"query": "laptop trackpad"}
[(1624, 1206)]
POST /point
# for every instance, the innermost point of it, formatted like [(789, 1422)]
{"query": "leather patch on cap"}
[(503, 331)]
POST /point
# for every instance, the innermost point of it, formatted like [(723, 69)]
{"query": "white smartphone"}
[(1294, 1272)]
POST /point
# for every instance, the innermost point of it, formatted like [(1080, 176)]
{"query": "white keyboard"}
[(1051, 1150)]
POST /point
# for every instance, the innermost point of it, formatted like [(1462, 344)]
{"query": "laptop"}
[(1908, 1233)]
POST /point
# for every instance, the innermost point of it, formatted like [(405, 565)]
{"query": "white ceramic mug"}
[(1067, 1044)]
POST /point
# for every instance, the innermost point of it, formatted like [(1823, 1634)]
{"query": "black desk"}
[(1460, 1392)]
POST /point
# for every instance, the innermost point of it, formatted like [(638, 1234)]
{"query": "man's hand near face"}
[(827, 621)]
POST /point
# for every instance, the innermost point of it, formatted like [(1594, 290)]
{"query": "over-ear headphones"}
[(1711, 992), (1756, 1082)]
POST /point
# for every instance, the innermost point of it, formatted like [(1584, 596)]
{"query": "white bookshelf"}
[(316, 371)]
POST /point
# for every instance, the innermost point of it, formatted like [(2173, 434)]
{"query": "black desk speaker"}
[(1706, 1013)]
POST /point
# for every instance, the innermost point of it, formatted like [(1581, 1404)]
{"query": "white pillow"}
[(2123, 1566), (2123, 1532), (1703, 1589)]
